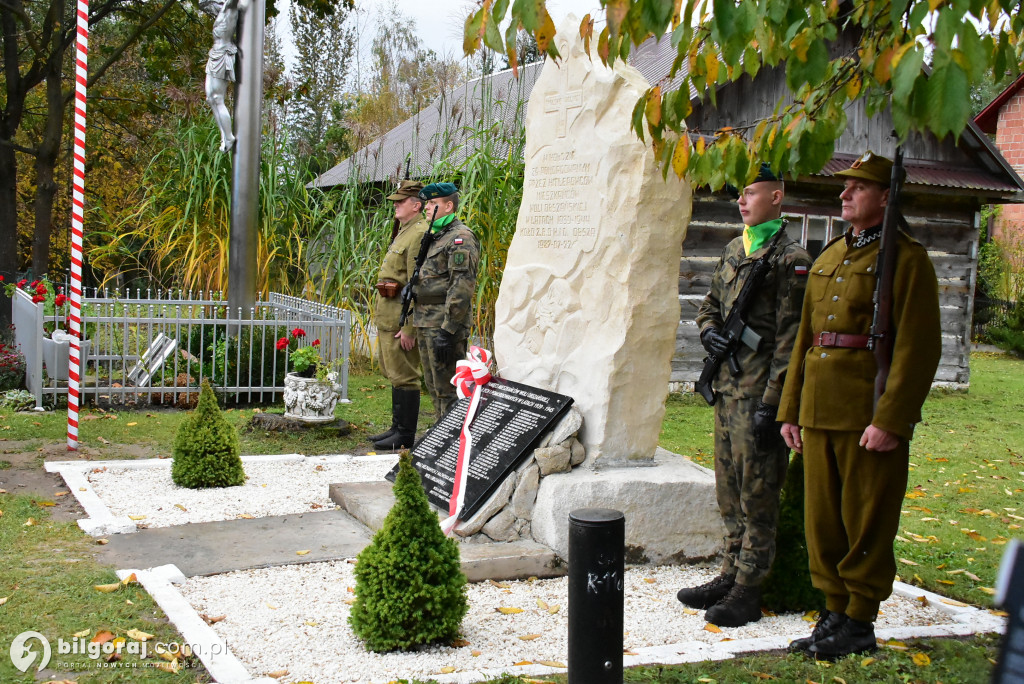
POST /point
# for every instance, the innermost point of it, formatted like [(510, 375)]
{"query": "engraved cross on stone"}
[(561, 102)]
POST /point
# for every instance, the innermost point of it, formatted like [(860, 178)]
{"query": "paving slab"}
[(215, 547)]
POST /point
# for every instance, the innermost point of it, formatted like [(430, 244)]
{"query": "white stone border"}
[(225, 668), (99, 521)]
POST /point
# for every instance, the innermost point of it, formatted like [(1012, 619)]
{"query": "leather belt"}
[(847, 341)]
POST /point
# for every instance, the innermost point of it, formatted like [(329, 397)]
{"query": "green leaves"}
[(879, 65)]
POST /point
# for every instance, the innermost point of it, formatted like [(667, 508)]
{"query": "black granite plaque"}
[(509, 423), (1010, 595)]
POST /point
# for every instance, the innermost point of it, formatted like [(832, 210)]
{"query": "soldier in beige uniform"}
[(856, 455), (396, 346)]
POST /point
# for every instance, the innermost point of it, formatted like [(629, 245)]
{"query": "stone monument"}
[(589, 306), (589, 290)]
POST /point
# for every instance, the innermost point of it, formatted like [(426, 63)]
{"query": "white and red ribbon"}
[(77, 225), (470, 376)]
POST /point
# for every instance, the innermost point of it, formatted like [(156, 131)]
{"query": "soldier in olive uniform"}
[(396, 345), (444, 294), (750, 458), (856, 454)]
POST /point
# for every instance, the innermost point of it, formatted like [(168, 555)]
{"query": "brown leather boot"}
[(707, 594), (741, 605)]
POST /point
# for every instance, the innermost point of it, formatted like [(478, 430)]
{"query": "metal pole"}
[(246, 181), (596, 565)]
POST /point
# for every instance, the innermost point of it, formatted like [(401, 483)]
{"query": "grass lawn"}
[(962, 505)]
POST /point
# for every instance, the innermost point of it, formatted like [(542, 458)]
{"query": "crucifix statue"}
[(237, 56)]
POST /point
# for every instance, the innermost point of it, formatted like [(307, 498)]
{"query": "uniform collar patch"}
[(866, 237)]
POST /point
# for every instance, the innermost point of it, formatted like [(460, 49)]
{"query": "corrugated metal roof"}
[(930, 173), (446, 129)]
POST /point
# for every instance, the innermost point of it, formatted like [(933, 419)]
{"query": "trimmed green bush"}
[(206, 448), (788, 586), (410, 588)]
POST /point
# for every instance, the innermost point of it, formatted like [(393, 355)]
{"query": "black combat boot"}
[(394, 419), (406, 416), (741, 605), (828, 623), (853, 636), (707, 594)]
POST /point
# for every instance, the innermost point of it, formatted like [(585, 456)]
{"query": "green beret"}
[(870, 167), (408, 188), (435, 190), (764, 173)]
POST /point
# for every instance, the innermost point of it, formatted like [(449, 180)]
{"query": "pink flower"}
[(282, 344), (298, 332)]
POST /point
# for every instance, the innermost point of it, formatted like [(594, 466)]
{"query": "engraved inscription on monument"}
[(509, 421), (562, 209)]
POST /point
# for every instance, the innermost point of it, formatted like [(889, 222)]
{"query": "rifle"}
[(881, 325), (735, 328), (407, 294)]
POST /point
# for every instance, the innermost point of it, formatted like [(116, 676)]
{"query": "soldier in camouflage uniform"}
[(396, 345), (444, 294), (750, 457)]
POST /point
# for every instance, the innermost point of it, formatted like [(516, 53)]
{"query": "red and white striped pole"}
[(77, 224)]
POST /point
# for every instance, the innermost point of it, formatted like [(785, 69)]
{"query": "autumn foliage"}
[(410, 588), (206, 448)]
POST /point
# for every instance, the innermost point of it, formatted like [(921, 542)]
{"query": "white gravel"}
[(271, 488), (295, 618)]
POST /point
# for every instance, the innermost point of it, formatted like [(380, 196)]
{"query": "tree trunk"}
[(8, 229), (46, 161)]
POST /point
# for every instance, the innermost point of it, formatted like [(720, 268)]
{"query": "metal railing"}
[(159, 349)]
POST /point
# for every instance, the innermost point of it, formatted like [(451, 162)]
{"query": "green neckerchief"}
[(756, 237), (440, 224)]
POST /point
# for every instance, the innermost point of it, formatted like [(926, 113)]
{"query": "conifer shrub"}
[(206, 448), (788, 586), (410, 588)]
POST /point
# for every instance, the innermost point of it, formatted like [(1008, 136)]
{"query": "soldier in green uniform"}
[(856, 454), (444, 294), (750, 458), (396, 345)]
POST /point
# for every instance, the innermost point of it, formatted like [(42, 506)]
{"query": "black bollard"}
[(596, 565)]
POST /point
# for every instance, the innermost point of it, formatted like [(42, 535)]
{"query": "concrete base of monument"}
[(670, 508), (369, 503)]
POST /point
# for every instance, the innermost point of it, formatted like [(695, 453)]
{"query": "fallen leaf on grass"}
[(4, 599), (529, 637), (866, 662), (948, 583), (921, 659), (102, 637), (103, 441), (988, 590), (907, 562), (953, 602), (896, 645), (765, 675), (839, 680), (139, 635), (505, 610), (107, 588), (131, 424), (29, 522), (83, 633), (171, 667)]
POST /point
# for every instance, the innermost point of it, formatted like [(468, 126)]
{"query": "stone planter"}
[(310, 400), (55, 357)]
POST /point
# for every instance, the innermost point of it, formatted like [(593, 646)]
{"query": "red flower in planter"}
[(21, 283), (41, 289), (316, 342), (38, 298), (60, 300)]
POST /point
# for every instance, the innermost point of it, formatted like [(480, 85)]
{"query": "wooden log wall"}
[(949, 233)]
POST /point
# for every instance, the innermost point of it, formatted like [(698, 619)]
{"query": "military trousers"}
[(852, 513), (400, 367), (748, 483), (437, 375)]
